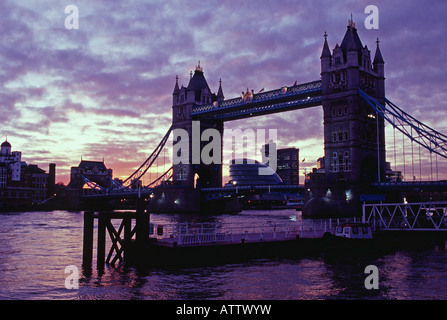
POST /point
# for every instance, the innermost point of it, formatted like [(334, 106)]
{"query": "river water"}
[(36, 247)]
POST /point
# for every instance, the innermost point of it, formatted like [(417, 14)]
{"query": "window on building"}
[(337, 77), (337, 61)]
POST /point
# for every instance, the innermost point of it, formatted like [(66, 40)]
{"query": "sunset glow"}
[(104, 91)]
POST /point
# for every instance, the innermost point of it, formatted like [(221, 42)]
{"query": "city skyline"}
[(104, 91)]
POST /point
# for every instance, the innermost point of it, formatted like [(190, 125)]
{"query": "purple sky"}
[(104, 90)]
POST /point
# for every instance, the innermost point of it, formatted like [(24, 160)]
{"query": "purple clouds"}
[(104, 90)]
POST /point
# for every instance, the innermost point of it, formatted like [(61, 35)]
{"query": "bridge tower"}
[(190, 170), (354, 135)]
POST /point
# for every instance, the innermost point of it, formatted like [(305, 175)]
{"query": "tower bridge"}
[(351, 90)]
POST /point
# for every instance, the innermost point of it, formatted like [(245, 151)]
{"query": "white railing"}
[(423, 216), (207, 233)]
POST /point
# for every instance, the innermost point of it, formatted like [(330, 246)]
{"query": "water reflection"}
[(37, 246)]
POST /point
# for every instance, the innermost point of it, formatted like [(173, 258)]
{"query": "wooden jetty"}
[(135, 240)]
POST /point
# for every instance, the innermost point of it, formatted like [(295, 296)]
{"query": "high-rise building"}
[(287, 162), (287, 166)]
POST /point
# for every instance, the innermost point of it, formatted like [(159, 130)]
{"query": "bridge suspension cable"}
[(168, 174), (148, 162), (93, 185), (425, 136)]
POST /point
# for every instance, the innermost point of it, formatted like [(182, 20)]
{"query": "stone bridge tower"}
[(191, 172), (354, 136)]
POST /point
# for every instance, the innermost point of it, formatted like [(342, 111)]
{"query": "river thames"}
[(36, 247)]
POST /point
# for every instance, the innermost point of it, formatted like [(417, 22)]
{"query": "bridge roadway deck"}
[(412, 186), (284, 99)]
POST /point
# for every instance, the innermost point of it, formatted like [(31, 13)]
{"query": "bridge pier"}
[(334, 199), (171, 198)]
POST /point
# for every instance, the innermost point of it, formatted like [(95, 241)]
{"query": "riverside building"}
[(21, 184)]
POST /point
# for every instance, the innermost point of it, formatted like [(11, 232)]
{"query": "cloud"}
[(105, 89)]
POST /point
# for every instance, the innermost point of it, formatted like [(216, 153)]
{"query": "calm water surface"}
[(37, 246)]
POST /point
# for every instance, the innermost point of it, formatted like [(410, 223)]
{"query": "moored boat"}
[(354, 231)]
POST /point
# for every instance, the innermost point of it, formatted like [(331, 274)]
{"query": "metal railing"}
[(209, 233), (299, 89), (422, 216)]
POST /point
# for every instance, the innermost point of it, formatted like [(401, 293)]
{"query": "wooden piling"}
[(142, 223), (87, 248), (101, 254), (127, 236)]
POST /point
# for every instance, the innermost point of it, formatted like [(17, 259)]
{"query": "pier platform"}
[(167, 254), (136, 241), (198, 245), (187, 244)]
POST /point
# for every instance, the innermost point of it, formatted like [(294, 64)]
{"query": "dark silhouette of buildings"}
[(94, 171), (22, 185)]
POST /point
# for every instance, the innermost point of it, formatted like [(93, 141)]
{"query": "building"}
[(245, 172), (21, 184), (316, 174), (320, 164), (250, 173), (287, 166), (11, 162), (287, 162), (94, 171), (393, 175)]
